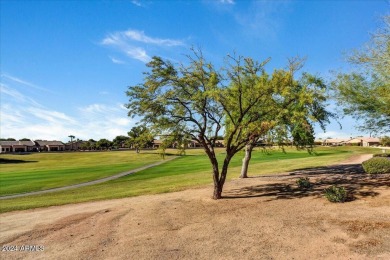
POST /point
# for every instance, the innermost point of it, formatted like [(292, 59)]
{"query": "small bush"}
[(376, 165), (336, 194), (382, 155), (304, 183)]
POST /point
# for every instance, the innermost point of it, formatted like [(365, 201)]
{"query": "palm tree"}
[(71, 141)]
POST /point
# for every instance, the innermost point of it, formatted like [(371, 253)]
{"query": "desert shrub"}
[(336, 194), (376, 165), (304, 183), (382, 155)]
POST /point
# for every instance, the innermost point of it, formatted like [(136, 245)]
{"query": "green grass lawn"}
[(192, 170), (41, 171)]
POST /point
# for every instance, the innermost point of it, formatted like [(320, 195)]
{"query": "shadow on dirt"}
[(351, 177)]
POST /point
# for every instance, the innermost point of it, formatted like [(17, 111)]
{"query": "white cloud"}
[(15, 95), (137, 3), (11, 92), (9, 115), (117, 61), (138, 54), (23, 82), (141, 37), (230, 2), (122, 121), (51, 116), (106, 120), (22, 117), (132, 43)]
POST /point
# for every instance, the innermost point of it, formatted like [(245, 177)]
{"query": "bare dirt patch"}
[(258, 218)]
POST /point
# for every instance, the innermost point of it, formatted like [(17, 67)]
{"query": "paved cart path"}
[(89, 183)]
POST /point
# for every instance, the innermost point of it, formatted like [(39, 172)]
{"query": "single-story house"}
[(334, 141), (157, 143), (194, 144), (370, 141), (354, 141), (50, 146), (363, 141), (17, 146)]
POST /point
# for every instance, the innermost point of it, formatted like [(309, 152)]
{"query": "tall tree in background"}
[(71, 141), (120, 140), (103, 144), (365, 93), (139, 137)]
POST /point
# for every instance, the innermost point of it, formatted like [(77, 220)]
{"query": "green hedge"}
[(377, 165), (382, 155)]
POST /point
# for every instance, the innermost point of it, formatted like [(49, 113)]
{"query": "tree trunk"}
[(217, 191), (218, 177), (219, 182), (245, 160)]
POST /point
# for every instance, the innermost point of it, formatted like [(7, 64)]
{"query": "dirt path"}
[(258, 218), (113, 177)]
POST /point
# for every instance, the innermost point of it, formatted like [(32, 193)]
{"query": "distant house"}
[(370, 141), (157, 143), (17, 146), (50, 146), (334, 141), (364, 141), (358, 141), (194, 144), (354, 142)]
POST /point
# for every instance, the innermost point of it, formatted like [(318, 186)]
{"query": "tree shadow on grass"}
[(351, 177), (10, 161)]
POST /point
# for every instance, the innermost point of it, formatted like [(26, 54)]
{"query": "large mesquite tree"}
[(236, 101)]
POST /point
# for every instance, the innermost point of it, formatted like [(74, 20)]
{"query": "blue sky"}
[(65, 65)]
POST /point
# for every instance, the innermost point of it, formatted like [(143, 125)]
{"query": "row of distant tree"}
[(13, 139), (138, 137)]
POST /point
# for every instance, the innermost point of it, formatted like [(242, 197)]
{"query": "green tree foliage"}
[(365, 93), (288, 110), (140, 137), (385, 140), (120, 141), (88, 145), (85, 146), (237, 101), (176, 139), (103, 144)]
